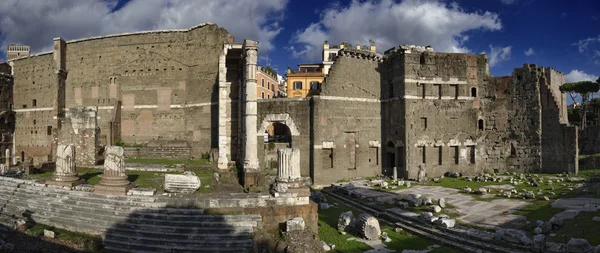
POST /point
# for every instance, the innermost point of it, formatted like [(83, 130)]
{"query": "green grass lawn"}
[(400, 240), (170, 162), (581, 226), (91, 243)]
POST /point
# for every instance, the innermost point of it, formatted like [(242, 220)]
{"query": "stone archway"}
[(279, 131)]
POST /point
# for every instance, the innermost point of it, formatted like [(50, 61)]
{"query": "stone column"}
[(288, 178), (7, 156), (288, 164), (251, 168), (66, 170), (114, 180), (223, 97)]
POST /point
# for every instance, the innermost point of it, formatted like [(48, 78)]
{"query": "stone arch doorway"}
[(276, 135)]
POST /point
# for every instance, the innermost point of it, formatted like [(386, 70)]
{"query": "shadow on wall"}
[(23, 242), (186, 230)]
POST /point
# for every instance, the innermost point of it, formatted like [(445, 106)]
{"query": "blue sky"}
[(557, 33)]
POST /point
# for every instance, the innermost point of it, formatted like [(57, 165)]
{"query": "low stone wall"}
[(158, 152)]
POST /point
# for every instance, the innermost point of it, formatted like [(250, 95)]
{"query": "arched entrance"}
[(277, 135)]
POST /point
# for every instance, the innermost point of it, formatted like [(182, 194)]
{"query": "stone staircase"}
[(127, 223)]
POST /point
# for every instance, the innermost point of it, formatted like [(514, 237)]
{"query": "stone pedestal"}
[(114, 180), (288, 172), (66, 170)]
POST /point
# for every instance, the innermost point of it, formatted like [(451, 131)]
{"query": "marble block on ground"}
[(295, 224), (142, 192), (181, 183)]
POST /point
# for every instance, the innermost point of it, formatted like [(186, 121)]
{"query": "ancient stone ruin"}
[(66, 168), (368, 226), (114, 180)]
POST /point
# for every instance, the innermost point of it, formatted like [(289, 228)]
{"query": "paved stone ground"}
[(482, 213)]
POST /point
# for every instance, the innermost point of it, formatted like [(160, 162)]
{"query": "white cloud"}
[(499, 54), (529, 52), (390, 23), (577, 75), (583, 44), (36, 23)]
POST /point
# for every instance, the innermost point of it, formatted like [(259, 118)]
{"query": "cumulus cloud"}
[(529, 52), (577, 75), (390, 23), (499, 54), (35, 23)]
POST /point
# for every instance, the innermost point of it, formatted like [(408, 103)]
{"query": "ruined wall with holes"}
[(35, 92), (347, 119), (7, 116), (559, 140), (166, 81), (295, 114)]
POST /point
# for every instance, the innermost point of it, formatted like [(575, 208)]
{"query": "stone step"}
[(21, 197), (180, 217), (86, 201), (200, 233), (44, 209), (217, 228), (208, 222), (129, 246), (221, 240), (89, 195)]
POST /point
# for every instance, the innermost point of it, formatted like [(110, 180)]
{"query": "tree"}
[(583, 89)]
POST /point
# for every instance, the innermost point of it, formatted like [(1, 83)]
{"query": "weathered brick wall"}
[(559, 141), (7, 116), (347, 120), (589, 140), (166, 80), (34, 79), (80, 128)]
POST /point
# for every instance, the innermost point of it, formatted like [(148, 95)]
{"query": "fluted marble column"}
[(66, 169), (114, 180), (288, 164), (250, 113), (114, 167)]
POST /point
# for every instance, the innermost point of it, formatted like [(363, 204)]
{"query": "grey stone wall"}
[(295, 114)]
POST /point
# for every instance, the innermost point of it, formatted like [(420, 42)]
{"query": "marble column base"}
[(113, 190), (65, 183)]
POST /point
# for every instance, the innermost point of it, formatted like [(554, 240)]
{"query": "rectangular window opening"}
[(456, 155), (49, 130), (440, 155), (423, 123), (423, 154)]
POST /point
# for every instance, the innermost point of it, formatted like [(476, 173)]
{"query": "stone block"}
[(181, 183), (49, 234), (142, 192), (295, 224), (539, 243), (578, 245), (445, 222), (368, 226), (345, 220)]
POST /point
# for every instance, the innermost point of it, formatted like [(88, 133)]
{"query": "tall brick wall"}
[(166, 81), (346, 120)]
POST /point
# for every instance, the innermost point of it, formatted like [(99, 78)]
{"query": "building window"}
[(49, 130), (422, 89), (268, 85), (513, 150), (455, 88), (480, 124), (263, 95), (332, 56), (34, 121), (440, 155), (297, 85), (455, 154), (438, 88), (314, 85), (263, 82), (423, 154), (474, 92), (24, 106), (268, 96), (34, 103), (423, 123)]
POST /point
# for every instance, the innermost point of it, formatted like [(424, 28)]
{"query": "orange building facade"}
[(266, 83)]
